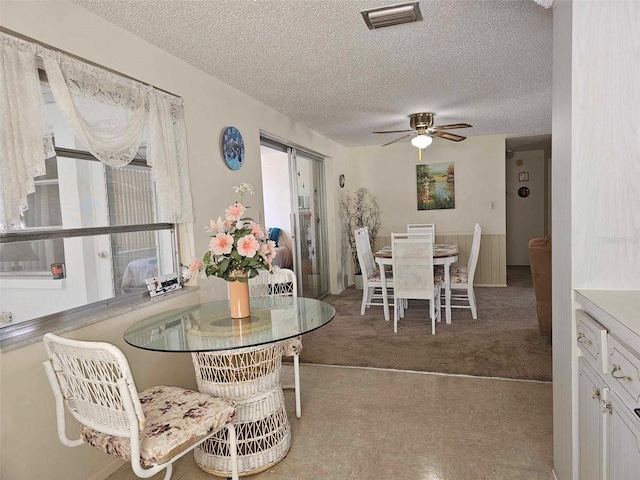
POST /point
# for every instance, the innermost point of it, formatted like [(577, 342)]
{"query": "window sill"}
[(22, 334), (32, 282)]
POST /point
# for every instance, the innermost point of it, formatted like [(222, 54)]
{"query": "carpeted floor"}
[(503, 342)]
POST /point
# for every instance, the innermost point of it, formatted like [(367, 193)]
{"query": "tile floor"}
[(370, 424)]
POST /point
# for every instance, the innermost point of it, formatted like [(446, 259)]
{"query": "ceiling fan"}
[(422, 131)]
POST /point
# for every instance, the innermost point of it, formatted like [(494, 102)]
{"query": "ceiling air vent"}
[(392, 15)]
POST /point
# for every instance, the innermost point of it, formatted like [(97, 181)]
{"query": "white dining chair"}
[(152, 429), (371, 281), (461, 278), (281, 282), (413, 276), (422, 227)]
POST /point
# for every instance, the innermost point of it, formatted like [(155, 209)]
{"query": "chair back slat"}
[(279, 285), (421, 235), (412, 265), (88, 374), (365, 254), (475, 252), (422, 227), (279, 282)]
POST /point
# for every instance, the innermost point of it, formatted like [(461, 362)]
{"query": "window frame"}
[(75, 317)]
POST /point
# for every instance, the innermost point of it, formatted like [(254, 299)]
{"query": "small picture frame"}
[(57, 270), (523, 192), (523, 177), (163, 284)]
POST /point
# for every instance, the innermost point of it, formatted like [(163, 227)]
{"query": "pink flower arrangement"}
[(238, 247)]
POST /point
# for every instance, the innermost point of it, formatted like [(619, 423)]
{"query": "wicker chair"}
[(151, 429), (281, 283)]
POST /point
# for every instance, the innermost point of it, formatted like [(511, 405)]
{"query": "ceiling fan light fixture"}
[(392, 15), (421, 141)]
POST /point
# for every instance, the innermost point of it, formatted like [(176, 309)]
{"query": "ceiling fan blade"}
[(394, 131), (450, 136), (452, 126), (398, 139)]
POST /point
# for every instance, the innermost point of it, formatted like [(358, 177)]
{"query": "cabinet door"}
[(590, 423), (624, 441)]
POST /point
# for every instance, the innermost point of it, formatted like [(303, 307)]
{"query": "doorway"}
[(294, 201), (528, 200)]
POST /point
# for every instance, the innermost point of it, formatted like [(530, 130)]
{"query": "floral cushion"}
[(176, 418), (457, 275), (292, 346), (375, 276)]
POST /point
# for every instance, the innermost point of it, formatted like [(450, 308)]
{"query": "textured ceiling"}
[(487, 63)]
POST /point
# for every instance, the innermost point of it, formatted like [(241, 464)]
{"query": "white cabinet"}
[(608, 385), (590, 423), (624, 442)]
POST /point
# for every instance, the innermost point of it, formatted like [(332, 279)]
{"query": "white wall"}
[(27, 406), (390, 174), (525, 216), (595, 167), (210, 106)]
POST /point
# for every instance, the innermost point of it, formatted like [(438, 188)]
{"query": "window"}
[(90, 233)]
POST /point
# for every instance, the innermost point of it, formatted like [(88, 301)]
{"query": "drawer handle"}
[(583, 339), (617, 368), (595, 393)]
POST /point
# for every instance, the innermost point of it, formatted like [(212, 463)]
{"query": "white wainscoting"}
[(492, 263)]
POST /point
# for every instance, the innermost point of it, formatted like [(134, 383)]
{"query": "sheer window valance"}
[(108, 114)]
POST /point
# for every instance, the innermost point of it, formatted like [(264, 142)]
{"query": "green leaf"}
[(224, 264)]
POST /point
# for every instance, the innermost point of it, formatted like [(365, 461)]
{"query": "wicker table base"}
[(251, 376)]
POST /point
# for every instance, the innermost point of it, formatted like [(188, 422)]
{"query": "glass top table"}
[(209, 327), (238, 359)]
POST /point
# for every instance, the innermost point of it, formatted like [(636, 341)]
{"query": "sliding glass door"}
[(307, 213), (308, 180)]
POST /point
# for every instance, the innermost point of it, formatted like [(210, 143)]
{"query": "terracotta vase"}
[(239, 304)]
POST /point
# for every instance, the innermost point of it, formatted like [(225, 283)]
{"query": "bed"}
[(284, 258)]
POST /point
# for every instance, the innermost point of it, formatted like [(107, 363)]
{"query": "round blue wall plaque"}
[(233, 148)]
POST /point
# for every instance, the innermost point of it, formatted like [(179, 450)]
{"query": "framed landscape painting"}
[(435, 186)]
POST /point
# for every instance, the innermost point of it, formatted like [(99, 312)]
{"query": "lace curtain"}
[(24, 139), (167, 157), (107, 113)]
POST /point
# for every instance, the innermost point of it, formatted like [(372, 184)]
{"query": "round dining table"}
[(238, 359), (443, 254)]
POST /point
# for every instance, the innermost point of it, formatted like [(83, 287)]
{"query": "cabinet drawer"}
[(624, 373), (591, 338)]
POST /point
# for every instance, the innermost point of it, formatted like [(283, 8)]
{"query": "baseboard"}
[(489, 285), (108, 469)]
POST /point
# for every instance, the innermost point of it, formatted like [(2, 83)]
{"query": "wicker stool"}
[(250, 376)]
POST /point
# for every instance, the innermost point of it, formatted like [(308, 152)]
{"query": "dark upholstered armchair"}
[(540, 259)]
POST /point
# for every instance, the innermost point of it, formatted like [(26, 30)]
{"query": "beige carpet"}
[(503, 342)]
